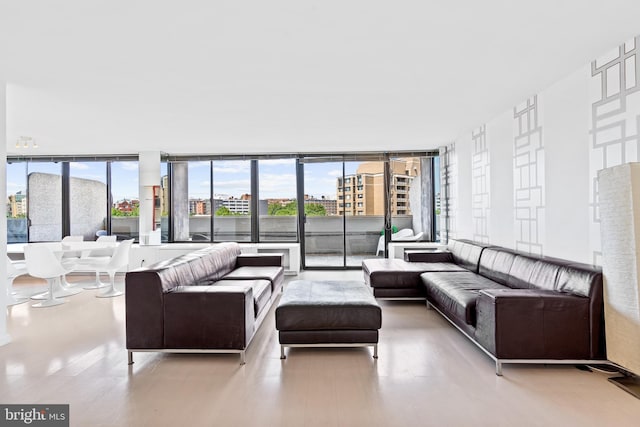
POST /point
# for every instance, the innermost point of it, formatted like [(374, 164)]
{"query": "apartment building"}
[(362, 193)]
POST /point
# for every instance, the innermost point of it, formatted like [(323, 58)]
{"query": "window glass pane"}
[(278, 205), (364, 210), (44, 201), (437, 211), (324, 228), (125, 199), (199, 200), (232, 200), (409, 215), (165, 206), (17, 202), (87, 199)]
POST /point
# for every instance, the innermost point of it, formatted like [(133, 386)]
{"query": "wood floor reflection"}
[(427, 374)]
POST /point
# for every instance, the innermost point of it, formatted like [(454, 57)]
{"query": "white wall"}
[(500, 141), (567, 167), (545, 154), (464, 222)]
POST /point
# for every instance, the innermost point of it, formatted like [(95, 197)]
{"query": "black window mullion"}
[(255, 203), (211, 203), (66, 200), (109, 198)]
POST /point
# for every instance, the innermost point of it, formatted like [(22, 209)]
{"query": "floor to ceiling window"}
[(47, 200), (17, 202), (232, 200), (278, 206), (125, 199), (88, 199), (44, 201), (345, 200)]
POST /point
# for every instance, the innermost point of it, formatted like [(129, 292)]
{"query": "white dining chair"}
[(96, 260), (59, 291), (69, 258), (42, 263), (14, 269), (119, 260)]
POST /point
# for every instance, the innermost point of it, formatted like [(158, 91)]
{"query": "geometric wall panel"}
[(449, 191), (528, 177), (614, 136), (480, 180)]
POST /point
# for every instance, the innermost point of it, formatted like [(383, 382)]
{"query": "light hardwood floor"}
[(428, 374)]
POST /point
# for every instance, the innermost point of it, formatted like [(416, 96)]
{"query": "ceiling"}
[(254, 76)]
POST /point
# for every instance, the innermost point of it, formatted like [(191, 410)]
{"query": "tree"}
[(314, 209), (223, 211)]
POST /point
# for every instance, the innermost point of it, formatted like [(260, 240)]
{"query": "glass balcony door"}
[(344, 212), (323, 236)]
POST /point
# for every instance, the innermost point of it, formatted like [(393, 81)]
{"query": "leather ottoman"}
[(328, 314)]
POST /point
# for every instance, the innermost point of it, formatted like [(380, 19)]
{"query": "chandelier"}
[(26, 142)]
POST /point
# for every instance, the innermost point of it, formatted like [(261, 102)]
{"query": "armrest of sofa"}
[(144, 299), (533, 324), (260, 260), (209, 317), (428, 256)]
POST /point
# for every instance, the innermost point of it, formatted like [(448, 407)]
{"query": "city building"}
[(362, 193), (330, 205), (17, 205)]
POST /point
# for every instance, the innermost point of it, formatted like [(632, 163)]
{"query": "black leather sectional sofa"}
[(210, 300), (517, 307)]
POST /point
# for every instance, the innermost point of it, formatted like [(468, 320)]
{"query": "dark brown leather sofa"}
[(517, 307), (211, 300)]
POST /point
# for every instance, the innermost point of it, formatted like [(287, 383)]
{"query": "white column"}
[(4, 336), (149, 175)]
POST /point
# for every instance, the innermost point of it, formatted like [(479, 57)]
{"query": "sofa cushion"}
[(397, 273), (466, 253), (531, 272), (273, 274), (495, 264), (214, 261), (456, 292), (261, 291)]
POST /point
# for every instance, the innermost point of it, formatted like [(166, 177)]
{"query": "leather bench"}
[(328, 314)]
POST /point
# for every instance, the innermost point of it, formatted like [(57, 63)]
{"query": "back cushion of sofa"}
[(495, 263), (173, 273), (579, 279), (530, 272), (215, 261), (465, 253)]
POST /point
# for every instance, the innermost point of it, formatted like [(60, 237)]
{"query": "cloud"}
[(128, 166), (335, 173), (199, 164), (233, 187), (272, 162), (79, 166), (232, 166), (15, 185), (277, 185)]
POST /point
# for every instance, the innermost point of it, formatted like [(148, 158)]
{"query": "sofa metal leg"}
[(242, 359), (375, 351), (282, 355), (428, 305), (498, 368), (130, 357)]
